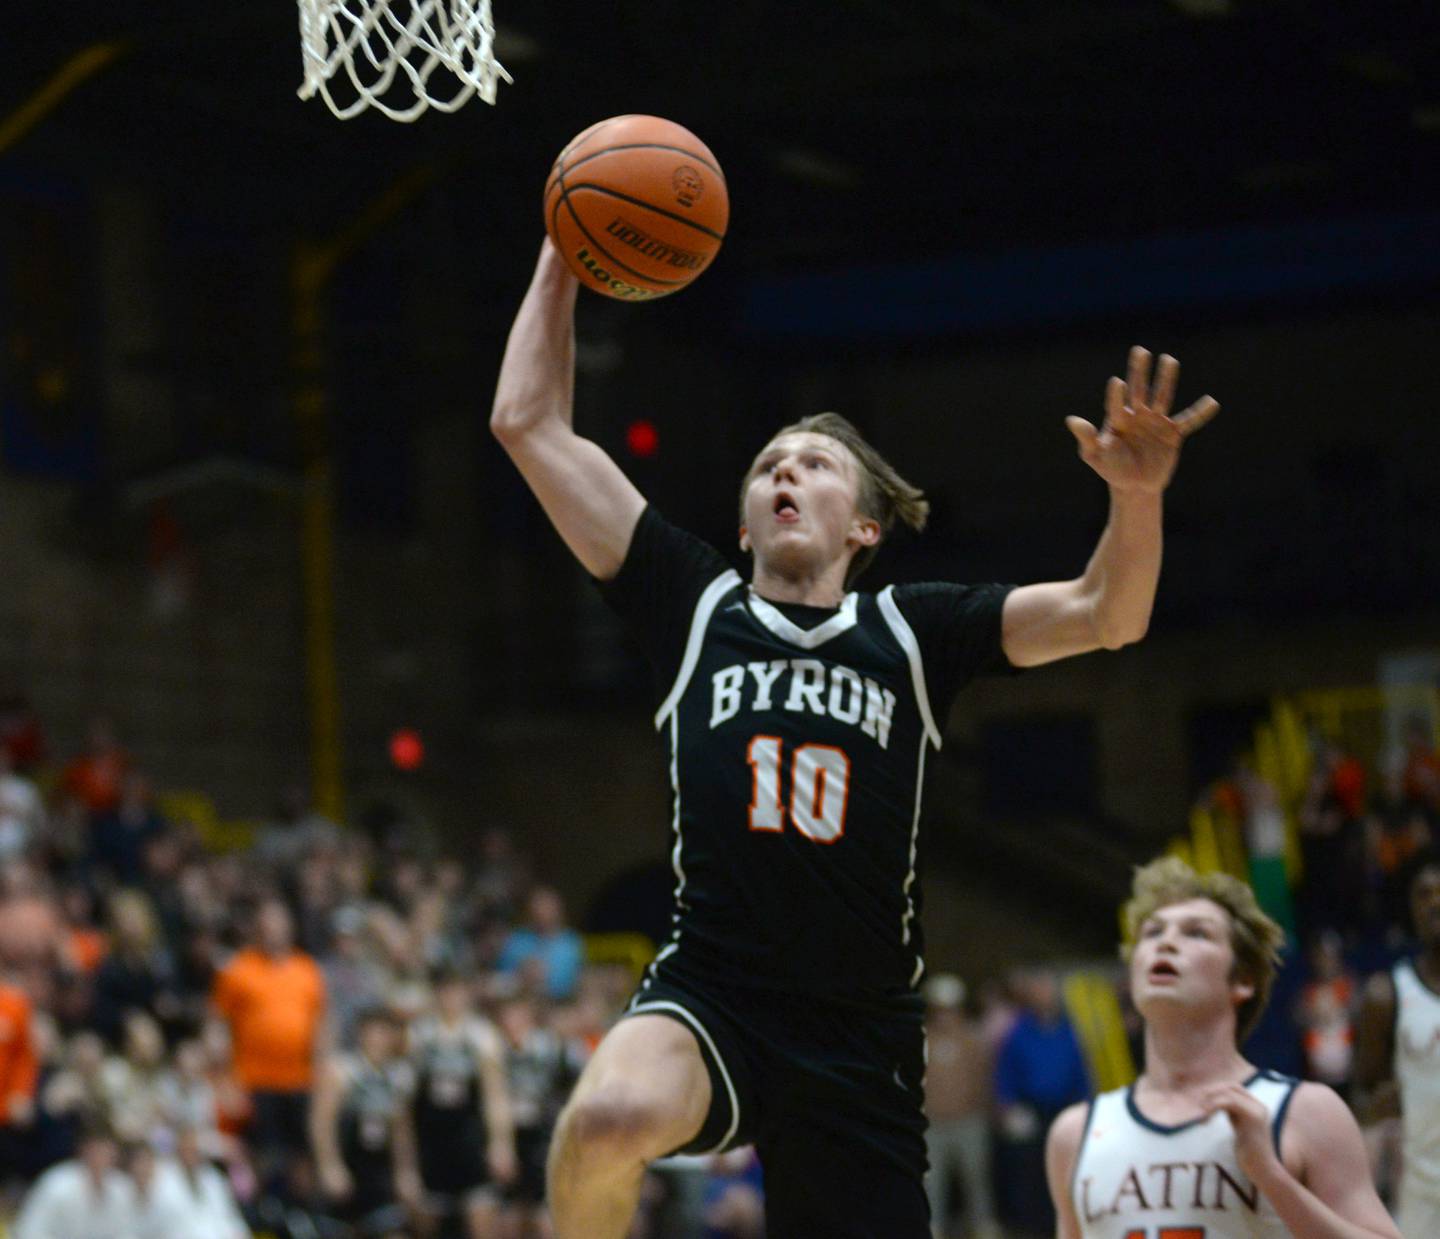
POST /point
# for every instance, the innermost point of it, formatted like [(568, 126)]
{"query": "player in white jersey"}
[(1399, 1045), (1203, 1145)]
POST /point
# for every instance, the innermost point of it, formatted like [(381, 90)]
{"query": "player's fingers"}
[(1139, 380), (1193, 418), (1167, 374), (1086, 436), (1115, 411)]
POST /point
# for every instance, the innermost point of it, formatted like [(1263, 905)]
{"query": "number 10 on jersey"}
[(819, 788)]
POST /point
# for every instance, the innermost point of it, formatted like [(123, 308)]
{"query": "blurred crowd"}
[(349, 1032), (1005, 1059), (332, 1032)]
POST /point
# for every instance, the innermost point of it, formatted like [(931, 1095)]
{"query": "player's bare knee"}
[(615, 1127)]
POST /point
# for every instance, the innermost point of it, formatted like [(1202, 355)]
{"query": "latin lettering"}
[(1130, 1186), (807, 682), (879, 711), (765, 675), (1196, 1202), (1251, 1198), (725, 694), (1169, 1169), (847, 695), (1091, 1217)]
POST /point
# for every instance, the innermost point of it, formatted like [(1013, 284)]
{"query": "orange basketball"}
[(638, 207)]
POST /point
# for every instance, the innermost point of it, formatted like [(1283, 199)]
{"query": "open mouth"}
[(785, 507), (1163, 969)]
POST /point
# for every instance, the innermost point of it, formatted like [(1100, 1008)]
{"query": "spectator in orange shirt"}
[(95, 776), (272, 996), (19, 1070)]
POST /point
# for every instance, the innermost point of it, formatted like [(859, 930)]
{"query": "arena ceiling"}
[(851, 130)]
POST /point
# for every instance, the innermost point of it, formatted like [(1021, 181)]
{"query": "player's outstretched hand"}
[(1138, 447), (1254, 1142)]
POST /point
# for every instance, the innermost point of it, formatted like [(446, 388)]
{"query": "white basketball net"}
[(390, 50)]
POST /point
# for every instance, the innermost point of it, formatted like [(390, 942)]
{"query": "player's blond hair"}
[(1255, 939), (884, 495)]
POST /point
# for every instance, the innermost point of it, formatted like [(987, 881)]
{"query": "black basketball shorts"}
[(831, 1096)]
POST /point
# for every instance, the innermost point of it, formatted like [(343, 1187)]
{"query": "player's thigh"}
[(647, 1080)]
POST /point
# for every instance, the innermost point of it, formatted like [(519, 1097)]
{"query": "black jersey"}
[(797, 740), (449, 1101), (372, 1100)]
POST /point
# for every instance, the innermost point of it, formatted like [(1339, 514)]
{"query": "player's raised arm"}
[(589, 500), (1135, 451)]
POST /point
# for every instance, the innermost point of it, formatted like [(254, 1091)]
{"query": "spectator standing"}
[(192, 1199), (187, 1101), (94, 778), (22, 811), (540, 1070), (546, 953), (464, 1131), (360, 1130), (1331, 843), (295, 830), (1327, 1015), (119, 834), (272, 997), (1421, 773), (134, 1084), (21, 734), (52, 1137), (31, 930), (354, 982), (234, 1110), (138, 973), (87, 1197), (1398, 1059), (958, 1103), (1038, 1073), (1397, 829), (19, 1073)]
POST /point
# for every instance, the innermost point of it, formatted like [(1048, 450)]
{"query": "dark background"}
[(949, 221)]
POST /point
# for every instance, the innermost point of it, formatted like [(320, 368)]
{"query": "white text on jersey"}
[(812, 688)]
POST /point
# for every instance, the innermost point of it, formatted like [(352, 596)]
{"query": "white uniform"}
[(64, 1204), (1417, 1071), (1136, 1179)]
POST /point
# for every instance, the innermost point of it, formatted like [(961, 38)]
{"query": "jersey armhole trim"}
[(716, 590), (691, 1021), (905, 635), (1080, 1147), (1284, 1109)]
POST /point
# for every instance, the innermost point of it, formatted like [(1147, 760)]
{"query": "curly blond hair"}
[(1255, 939), (884, 495)]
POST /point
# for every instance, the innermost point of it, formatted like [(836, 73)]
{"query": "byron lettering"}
[(804, 686)]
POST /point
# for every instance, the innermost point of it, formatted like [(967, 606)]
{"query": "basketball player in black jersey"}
[(798, 716)]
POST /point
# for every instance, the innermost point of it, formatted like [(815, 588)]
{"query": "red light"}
[(642, 438), (407, 750)]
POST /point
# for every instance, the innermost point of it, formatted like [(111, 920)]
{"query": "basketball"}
[(637, 205)]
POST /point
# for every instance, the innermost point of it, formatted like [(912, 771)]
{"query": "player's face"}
[(1183, 960), (1425, 906), (800, 503)]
